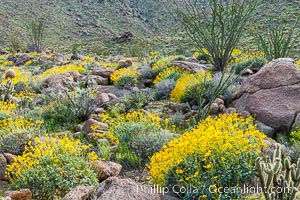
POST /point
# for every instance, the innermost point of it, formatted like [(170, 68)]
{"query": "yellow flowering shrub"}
[(62, 69), (21, 76), (108, 65), (4, 63), (51, 167), (171, 73), (160, 65), (142, 133), (17, 124), (25, 94), (7, 108), (125, 77), (118, 74), (239, 55), (136, 116), (198, 53), (188, 86), (16, 131), (298, 64), (217, 152), (295, 135)]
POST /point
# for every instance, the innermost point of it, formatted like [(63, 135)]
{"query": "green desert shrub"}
[(127, 158), (137, 99), (15, 132), (141, 138), (164, 88), (126, 82), (51, 167), (255, 63)]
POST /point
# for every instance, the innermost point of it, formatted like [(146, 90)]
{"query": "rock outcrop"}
[(106, 169), (272, 95), (80, 193), (62, 80), (127, 189), (24, 194)]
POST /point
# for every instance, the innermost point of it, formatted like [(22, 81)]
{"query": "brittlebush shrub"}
[(125, 77), (141, 133), (170, 73), (220, 152), (191, 86), (51, 167), (15, 132)]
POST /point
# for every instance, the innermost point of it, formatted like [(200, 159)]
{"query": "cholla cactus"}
[(279, 178), (5, 198), (6, 91)]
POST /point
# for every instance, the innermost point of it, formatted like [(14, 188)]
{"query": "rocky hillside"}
[(99, 21), (87, 19)]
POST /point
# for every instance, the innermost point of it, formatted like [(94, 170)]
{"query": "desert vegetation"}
[(210, 111)]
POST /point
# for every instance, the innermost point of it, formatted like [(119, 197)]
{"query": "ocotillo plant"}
[(279, 178)]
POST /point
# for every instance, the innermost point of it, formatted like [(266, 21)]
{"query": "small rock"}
[(230, 111), (189, 66), (3, 165), (247, 72), (77, 134), (219, 101), (124, 189), (96, 117), (21, 60), (124, 37), (114, 90), (271, 146), (193, 60), (9, 158), (96, 79), (222, 97), (222, 108), (195, 107), (296, 122), (245, 114), (76, 57), (62, 80), (214, 108), (102, 73), (178, 107), (58, 58), (112, 96), (99, 110), (101, 99), (78, 128), (269, 131), (106, 169), (125, 63), (80, 193), (90, 122), (3, 185), (203, 62), (24, 194)]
